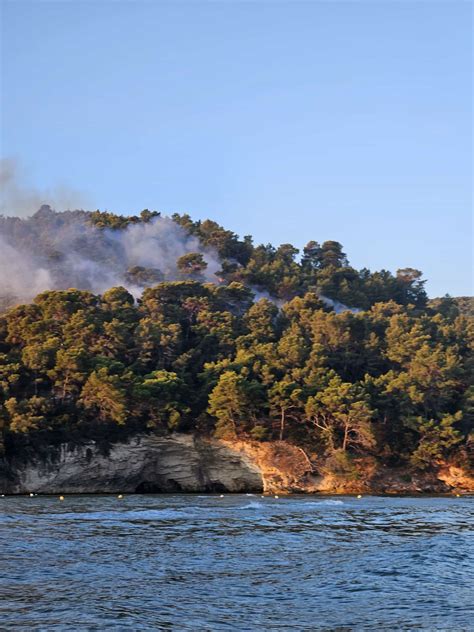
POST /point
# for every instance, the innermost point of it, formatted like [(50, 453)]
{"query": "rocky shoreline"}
[(186, 463)]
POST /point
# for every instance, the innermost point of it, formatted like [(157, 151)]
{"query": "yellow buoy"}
[(61, 498), (120, 496), (458, 495), (359, 496), (276, 496)]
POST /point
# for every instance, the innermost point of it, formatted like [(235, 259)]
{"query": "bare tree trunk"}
[(282, 424), (346, 437), (307, 459)]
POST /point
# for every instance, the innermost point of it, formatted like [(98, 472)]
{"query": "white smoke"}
[(63, 250), (59, 251), (337, 306), (19, 199), (260, 294), (159, 243), (20, 277)]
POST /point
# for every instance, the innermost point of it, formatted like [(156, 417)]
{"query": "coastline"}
[(183, 463)]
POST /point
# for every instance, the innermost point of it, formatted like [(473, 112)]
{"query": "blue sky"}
[(289, 121)]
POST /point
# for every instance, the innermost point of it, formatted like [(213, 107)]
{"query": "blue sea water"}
[(241, 562)]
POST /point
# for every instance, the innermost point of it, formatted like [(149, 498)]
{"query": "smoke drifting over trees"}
[(98, 250), (60, 250), (226, 338)]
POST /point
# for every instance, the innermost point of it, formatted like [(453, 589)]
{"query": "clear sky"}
[(286, 120)]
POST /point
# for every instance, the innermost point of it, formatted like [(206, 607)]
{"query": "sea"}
[(191, 562)]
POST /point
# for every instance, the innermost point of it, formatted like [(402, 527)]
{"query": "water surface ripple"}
[(242, 562)]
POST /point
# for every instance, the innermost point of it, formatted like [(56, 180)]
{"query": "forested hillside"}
[(227, 339), (95, 251)]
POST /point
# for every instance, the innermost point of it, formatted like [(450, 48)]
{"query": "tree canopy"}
[(392, 380)]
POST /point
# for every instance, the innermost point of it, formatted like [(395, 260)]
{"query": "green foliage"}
[(452, 307), (191, 264), (228, 404), (259, 433), (342, 417), (436, 439), (341, 464), (103, 395), (393, 381), (143, 277), (26, 415), (278, 272), (159, 396), (331, 255), (104, 219)]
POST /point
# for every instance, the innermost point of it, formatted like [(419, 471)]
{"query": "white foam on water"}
[(318, 503), (253, 505)]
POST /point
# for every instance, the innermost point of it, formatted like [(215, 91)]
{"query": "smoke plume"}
[(62, 250), (19, 199), (338, 307), (19, 275)]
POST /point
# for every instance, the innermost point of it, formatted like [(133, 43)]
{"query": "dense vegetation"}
[(390, 380), (95, 251)]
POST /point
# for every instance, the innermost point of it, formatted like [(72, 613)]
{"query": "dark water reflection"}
[(180, 562)]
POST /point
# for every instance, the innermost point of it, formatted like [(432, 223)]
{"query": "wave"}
[(319, 503)]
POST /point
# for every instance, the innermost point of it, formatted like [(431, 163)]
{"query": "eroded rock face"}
[(143, 464), (183, 463)]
